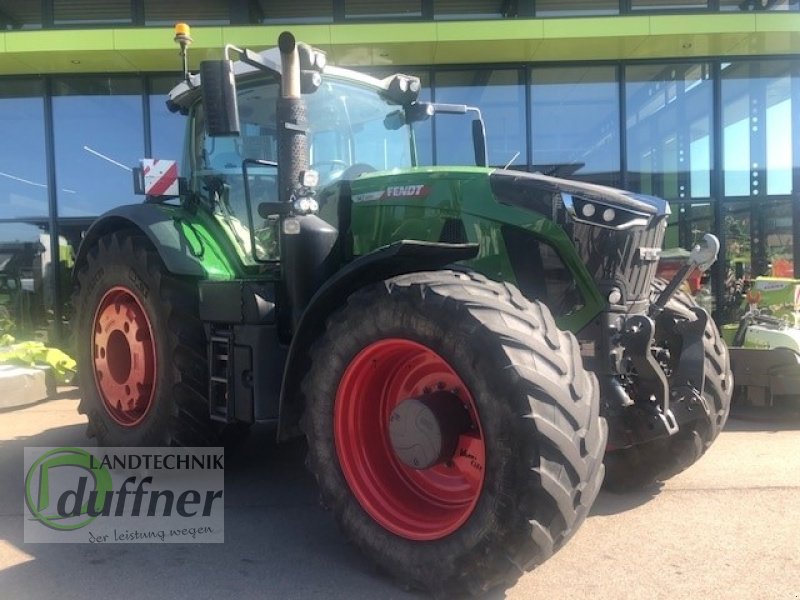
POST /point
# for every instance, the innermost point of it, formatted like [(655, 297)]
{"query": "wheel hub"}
[(398, 402), (425, 431), (124, 356)]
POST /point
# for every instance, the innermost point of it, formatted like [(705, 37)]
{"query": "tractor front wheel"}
[(453, 430)]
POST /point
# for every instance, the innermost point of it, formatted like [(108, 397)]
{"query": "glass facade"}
[(500, 95), (23, 166), (718, 138), (98, 130), (757, 108), (575, 123), (668, 118), (22, 14), (367, 9), (98, 137), (561, 8)]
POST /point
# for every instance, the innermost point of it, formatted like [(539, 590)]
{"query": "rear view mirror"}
[(479, 142), (219, 98)]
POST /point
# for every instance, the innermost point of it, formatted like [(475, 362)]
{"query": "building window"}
[(98, 130), (167, 129), (89, 12), (23, 279), (288, 11), (668, 121), (20, 14), (758, 5), (23, 172), (193, 12), (688, 222), (573, 8), (468, 9), (368, 9), (658, 5), (575, 123), (757, 128), (500, 94), (758, 237)]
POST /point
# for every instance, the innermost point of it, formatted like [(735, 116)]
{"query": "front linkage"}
[(653, 392)]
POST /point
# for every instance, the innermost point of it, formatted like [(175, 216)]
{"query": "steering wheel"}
[(331, 165), (354, 171)]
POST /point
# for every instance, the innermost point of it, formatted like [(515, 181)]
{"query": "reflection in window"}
[(468, 9), (758, 236), (22, 284), (758, 5), (570, 8), (98, 134), (500, 95), (23, 174), (69, 12), (20, 14), (757, 122), (688, 222), (194, 12), (366, 9), (291, 11), (28, 279), (575, 123), (167, 129), (669, 116)]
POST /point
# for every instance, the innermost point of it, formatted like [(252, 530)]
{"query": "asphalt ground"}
[(727, 528)]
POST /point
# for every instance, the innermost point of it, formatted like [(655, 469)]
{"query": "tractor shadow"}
[(784, 417), (613, 503), (279, 542)]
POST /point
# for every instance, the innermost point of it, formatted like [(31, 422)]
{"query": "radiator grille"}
[(613, 258)]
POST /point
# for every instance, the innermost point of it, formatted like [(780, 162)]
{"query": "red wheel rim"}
[(124, 356), (414, 504)]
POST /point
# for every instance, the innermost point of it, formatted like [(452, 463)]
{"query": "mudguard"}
[(389, 261), (161, 225)]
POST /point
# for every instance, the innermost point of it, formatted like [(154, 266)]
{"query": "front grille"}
[(613, 257)]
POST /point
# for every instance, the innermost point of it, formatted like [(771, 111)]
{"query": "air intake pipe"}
[(292, 120), (307, 242)]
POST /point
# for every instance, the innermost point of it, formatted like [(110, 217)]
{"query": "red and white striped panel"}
[(160, 177)]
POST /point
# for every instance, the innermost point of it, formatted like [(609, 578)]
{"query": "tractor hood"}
[(585, 202)]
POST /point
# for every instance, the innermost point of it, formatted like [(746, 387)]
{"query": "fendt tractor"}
[(465, 349)]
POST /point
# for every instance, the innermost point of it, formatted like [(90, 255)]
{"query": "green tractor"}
[(462, 347)]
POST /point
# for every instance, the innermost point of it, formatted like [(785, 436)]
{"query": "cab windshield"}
[(352, 130)]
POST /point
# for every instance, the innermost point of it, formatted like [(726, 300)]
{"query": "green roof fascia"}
[(438, 42)]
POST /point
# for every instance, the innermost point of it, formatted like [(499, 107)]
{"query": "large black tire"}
[(177, 412), (648, 463), (538, 410)]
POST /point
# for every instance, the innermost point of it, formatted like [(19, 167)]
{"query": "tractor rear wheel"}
[(453, 430), (658, 460), (137, 334)]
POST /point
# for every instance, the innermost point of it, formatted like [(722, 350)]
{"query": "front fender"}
[(389, 261), (185, 242)]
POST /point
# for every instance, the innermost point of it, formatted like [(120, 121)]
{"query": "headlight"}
[(593, 212)]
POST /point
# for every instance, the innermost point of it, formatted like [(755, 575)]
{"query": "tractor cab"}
[(354, 124)]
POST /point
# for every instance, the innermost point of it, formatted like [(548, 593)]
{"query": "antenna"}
[(182, 37)]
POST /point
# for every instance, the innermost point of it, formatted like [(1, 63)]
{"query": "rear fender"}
[(203, 256), (386, 262)]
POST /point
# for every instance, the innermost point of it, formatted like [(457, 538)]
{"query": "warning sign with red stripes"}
[(160, 177)]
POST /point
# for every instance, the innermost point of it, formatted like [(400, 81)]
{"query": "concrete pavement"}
[(728, 528)]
